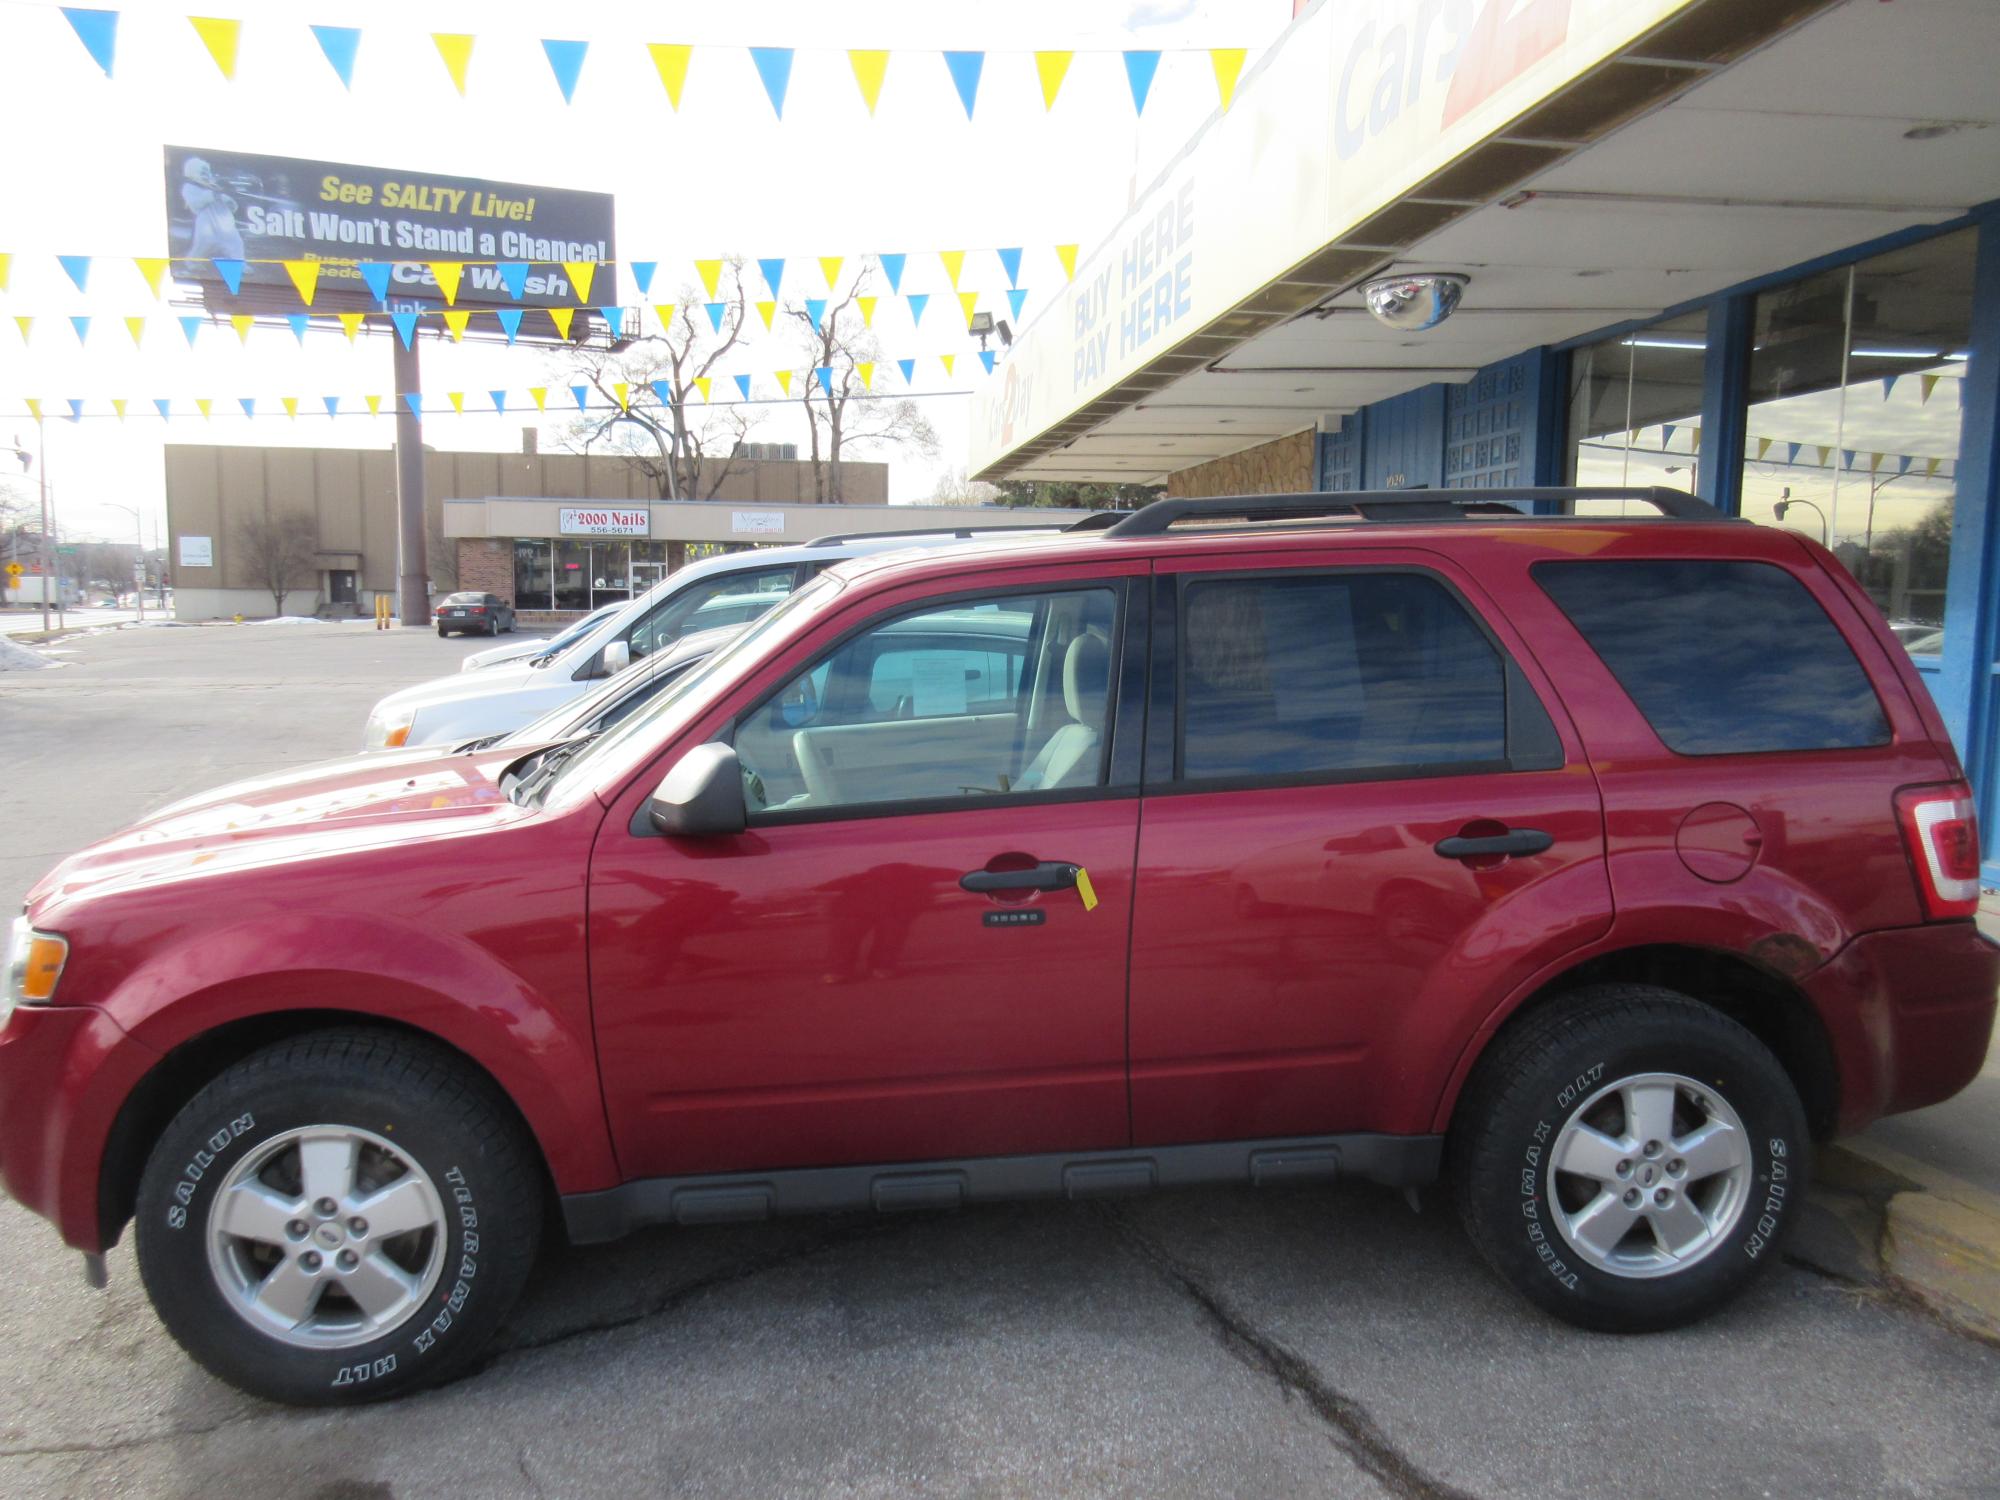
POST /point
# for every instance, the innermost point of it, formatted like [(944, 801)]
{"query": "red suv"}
[(1603, 862)]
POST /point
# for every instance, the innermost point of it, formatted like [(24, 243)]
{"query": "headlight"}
[(388, 731), (34, 964)]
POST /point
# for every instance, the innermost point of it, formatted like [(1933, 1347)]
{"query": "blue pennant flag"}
[(663, 392), (376, 274), (191, 326), (1847, 458), (249, 405), (1903, 461), (513, 276), (406, 326), (510, 321), (642, 275), (1667, 437), (614, 319), (499, 400), (82, 327), (1016, 300), (566, 62), (415, 403), (231, 272), (582, 394), (332, 405), (78, 267), (986, 359), (965, 68), (1792, 452), (743, 385), (1888, 385), (1010, 262), (816, 310), (892, 267), (774, 275), (340, 43), (825, 374), (298, 322), (75, 409), (774, 66), (909, 369), (166, 408), (918, 301), (1139, 70), (98, 31), (715, 312)]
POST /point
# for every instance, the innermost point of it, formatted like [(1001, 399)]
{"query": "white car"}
[(713, 593), (493, 656)]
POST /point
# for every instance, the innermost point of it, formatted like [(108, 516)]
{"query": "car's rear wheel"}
[(1629, 1159), (339, 1218), (442, 632)]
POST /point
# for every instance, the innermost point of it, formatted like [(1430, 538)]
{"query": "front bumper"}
[(1910, 1013), (64, 1072)]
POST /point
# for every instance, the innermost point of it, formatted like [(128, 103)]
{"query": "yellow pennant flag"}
[(867, 306), (457, 400), (241, 323), (1825, 453), (664, 311), (702, 383), (1763, 446), (1228, 65), (541, 395), (1067, 255), (582, 272), (765, 311), (954, 262), (219, 36), (456, 50), (202, 405), (152, 267), (374, 405), (1874, 462), (118, 405), (785, 380), (447, 273), (350, 324), (291, 405), (672, 61), (869, 68), (1929, 384), (561, 317), (137, 328), (7, 267), (968, 301), (456, 321), (829, 266), (1931, 466), (1050, 68), (867, 373), (711, 273), (624, 394), (34, 407), (947, 360), (24, 324), (305, 277)]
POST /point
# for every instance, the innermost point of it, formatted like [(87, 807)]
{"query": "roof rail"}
[(1406, 505), (839, 538), (1102, 520)]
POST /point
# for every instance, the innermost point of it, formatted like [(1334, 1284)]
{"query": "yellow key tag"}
[(1085, 889)]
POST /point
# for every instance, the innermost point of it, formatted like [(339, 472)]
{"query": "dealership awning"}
[(1586, 162)]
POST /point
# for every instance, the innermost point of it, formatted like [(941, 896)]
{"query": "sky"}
[(721, 176)]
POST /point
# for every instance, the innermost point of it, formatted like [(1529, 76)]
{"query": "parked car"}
[(473, 614), (1928, 643), (493, 656), (1263, 841)]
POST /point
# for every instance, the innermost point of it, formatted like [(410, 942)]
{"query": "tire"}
[(1618, 1059), (406, 1104), (442, 632)]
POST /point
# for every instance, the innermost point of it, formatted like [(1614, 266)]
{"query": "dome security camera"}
[(1411, 303)]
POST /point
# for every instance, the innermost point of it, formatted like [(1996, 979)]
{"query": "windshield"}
[(627, 743)]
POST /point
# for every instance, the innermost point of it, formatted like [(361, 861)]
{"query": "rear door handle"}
[(1514, 841), (1049, 875)]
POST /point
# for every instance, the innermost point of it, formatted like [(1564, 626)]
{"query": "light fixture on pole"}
[(1788, 502)]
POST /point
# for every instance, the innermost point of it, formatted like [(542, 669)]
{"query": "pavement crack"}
[(139, 1440), (1353, 1430)]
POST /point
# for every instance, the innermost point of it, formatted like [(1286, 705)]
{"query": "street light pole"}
[(1778, 510), (139, 558)]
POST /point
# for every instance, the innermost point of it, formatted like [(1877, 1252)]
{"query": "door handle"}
[(1050, 875), (1514, 841)]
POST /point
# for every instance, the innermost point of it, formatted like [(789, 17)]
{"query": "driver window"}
[(976, 698)]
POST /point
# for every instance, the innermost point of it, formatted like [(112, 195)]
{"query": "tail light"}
[(1941, 832)]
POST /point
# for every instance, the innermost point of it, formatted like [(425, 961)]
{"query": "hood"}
[(494, 656), (338, 807), (503, 677)]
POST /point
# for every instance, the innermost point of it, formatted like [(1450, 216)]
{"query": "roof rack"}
[(1103, 520), (839, 538), (1406, 505)]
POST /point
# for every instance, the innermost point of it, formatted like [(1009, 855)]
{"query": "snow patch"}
[(18, 658), (287, 620)]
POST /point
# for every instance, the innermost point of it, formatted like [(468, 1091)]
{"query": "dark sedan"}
[(474, 614)]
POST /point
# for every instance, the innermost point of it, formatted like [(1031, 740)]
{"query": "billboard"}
[(228, 205)]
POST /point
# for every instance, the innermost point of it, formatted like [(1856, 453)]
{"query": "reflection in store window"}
[(1635, 410)]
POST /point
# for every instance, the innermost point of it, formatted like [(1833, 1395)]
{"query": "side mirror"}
[(615, 658), (702, 796)]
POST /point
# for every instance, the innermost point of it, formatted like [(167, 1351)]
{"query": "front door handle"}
[(1049, 875), (1514, 841)]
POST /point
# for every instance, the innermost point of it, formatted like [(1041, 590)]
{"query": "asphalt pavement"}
[(1285, 1342)]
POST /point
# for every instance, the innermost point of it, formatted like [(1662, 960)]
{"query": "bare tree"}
[(700, 441), (280, 551), (953, 488), (840, 410)]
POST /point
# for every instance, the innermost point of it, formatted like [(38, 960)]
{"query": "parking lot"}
[(1289, 1342)]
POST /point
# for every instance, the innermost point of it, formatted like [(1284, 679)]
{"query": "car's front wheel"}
[(1629, 1158), (339, 1218)]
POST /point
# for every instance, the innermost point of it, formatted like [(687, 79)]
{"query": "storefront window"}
[(1635, 409), (610, 572), (572, 571), (533, 584), (1853, 431)]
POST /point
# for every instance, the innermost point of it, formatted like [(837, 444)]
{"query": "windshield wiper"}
[(547, 765)]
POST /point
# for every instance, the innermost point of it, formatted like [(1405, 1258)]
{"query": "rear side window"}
[(1721, 657)]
